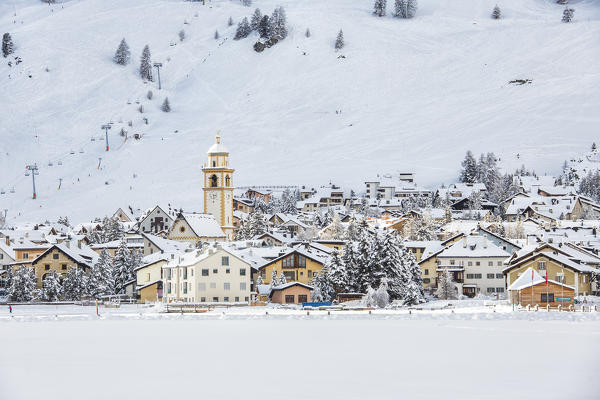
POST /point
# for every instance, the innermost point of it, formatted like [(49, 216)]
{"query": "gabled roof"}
[(559, 258), (474, 246), (531, 278), (288, 285), (203, 225), (319, 259), (70, 253)]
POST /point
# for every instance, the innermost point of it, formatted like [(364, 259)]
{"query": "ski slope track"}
[(414, 95)]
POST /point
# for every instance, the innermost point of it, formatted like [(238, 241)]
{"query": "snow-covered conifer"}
[(216, 35), (274, 279), (255, 19), (278, 23), (339, 42), (379, 7), (122, 269), (181, 35), (411, 8), (400, 9), (264, 27), (247, 3), (102, 279), (166, 106), (51, 287), (75, 284), (23, 285), (307, 33), (413, 292), (282, 279), (469, 169), (568, 14), (8, 46), (149, 95), (243, 30), (496, 14), (122, 55), (336, 271), (381, 296), (230, 21), (146, 64), (446, 289)]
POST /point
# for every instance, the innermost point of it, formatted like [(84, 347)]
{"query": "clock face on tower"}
[(213, 196)]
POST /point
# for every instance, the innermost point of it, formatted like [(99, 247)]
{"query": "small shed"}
[(150, 292), (531, 288), (290, 293)]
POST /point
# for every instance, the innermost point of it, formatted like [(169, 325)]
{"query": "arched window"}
[(213, 181), (214, 163), (227, 181)]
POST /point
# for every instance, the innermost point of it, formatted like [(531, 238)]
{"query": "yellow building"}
[(298, 265), (149, 279), (196, 227), (218, 187), (554, 263)]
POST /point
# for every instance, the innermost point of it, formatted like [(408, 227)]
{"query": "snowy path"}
[(292, 358)]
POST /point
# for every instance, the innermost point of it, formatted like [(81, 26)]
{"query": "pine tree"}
[(568, 14), (122, 269), (274, 280), (336, 273), (247, 3), (230, 21), (181, 35), (102, 279), (446, 289), (364, 247), (381, 296), (469, 171), (307, 33), (8, 46), (411, 8), (390, 260), (146, 65), (217, 34), (243, 30), (51, 287), (339, 42), (379, 7), (496, 14), (278, 22), (282, 280), (75, 284), (122, 55), (255, 20), (166, 106), (400, 9), (22, 285), (264, 27), (413, 292)]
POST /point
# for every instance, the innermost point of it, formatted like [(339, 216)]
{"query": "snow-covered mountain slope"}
[(414, 95)]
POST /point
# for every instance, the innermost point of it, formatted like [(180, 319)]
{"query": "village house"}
[(243, 204), (290, 293), (476, 264), (195, 228), (299, 264), (149, 277), (531, 289), (214, 274), (133, 242), (155, 220)]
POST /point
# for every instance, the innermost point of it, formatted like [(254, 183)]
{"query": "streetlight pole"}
[(158, 65), (34, 171), (106, 127)]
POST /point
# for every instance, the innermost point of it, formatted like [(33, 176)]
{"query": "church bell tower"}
[(218, 187)]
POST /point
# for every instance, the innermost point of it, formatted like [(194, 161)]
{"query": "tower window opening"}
[(213, 181)]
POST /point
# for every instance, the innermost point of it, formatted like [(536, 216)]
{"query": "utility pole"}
[(158, 65), (106, 127), (34, 171)]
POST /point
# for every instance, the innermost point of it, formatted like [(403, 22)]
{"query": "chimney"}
[(68, 244), (485, 242), (7, 238)]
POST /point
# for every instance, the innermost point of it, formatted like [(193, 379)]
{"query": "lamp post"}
[(106, 127), (158, 65)]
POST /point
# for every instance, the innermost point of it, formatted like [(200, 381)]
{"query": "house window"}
[(547, 297), (147, 277), (169, 288), (215, 299), (499, 290), (63, 267), (246, 298), (185, 273), (499, 276), (168, 274), (227, 270), (225, 298), (302, 298), (469, 276), (242, 285), (47, 267), (560, 278), (490, 263), (499, 263), (491, 290), (491, 276), (25, 256), (215, 271), (225, 260), (426, 271), (227, 181), (542, 265), (289, 298), (237, 299), (202, 299), (452, 262), (470, 263), (477, 276), (202, 287), (205, 272), (426, 280), (213, 180), (227, 286), (182, 229), (477, 263), (309, 273), (242, 271), (55, 256)]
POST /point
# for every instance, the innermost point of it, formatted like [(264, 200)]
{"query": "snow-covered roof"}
[(474, 246), (166, 245), (531, 278), (217, 147), (203, 225), (290, 284), (7, 249)]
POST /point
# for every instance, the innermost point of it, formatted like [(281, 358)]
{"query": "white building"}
[(400, 186), (214, 274), (155, 221), (476, 264)]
